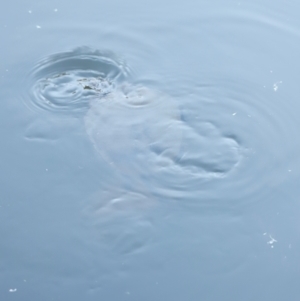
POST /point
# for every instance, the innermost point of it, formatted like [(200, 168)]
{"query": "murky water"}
[(149, 152)]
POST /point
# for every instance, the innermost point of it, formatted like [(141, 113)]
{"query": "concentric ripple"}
[(65, 82)]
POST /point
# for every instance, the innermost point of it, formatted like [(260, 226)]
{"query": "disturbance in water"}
[(141, 132), (66, 82)]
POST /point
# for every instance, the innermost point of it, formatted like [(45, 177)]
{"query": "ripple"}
[(65, 82), (229, 137), (145, 136), (158, 144), (252, 118)]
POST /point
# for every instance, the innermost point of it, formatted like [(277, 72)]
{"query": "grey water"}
[(149, 151)]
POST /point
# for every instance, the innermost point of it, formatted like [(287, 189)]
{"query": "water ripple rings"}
[(65, 82)]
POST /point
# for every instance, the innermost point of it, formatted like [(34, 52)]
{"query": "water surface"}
[(149, 152)]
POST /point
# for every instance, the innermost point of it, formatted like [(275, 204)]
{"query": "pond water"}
[(149, 150)]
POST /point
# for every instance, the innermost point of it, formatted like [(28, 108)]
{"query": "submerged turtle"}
[(135, 128)]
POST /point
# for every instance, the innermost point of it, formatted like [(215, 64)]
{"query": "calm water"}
[(150, 151)]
